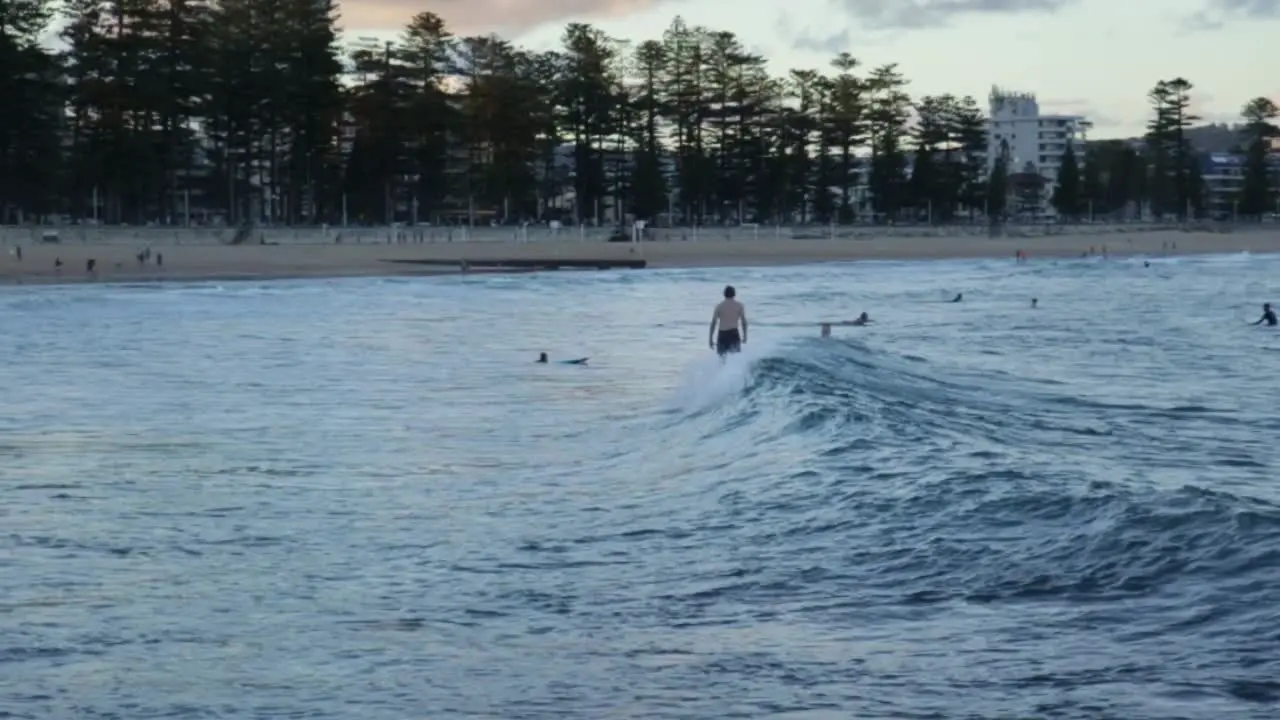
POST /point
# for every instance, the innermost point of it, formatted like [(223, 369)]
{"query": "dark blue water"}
[(361, 499)]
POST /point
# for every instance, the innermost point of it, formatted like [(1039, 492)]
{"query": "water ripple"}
[(362, 497)]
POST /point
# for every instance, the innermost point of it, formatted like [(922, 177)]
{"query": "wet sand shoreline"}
[(208, 262)]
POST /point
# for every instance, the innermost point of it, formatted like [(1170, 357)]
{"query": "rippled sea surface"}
[(362, 499)]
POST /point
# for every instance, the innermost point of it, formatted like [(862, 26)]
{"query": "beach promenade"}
[(196, 254)]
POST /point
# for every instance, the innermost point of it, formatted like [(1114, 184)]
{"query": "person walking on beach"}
[(728, 315), (1268, 316)]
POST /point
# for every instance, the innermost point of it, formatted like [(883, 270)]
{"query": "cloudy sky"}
[(1094, 57)]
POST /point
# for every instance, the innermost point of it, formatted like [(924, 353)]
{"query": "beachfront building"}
[(1032, 142), (1223, 177)]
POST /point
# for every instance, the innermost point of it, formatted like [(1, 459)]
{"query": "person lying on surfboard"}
[(542, 358), (861, 320)]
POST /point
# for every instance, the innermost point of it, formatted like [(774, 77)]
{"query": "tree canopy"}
[(165, 111)]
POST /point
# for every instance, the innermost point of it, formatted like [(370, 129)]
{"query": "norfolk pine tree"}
[(1066, 196), (998, 185), (928, 183), (890, 108), (1173, 173), (846, 131), (649, 181), (31, 117), (254, 112), (968, 126), (1091, 187), (1257, 193)]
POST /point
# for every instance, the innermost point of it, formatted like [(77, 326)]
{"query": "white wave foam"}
[(1224, 258), (707, 382)]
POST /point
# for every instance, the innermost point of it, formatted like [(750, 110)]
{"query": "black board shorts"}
[(728, 341)]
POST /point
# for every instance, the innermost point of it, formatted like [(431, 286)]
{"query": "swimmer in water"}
[(726, 318), (543, 360), (1268, 316), (1035, 302), (958, 298), (861, 320)]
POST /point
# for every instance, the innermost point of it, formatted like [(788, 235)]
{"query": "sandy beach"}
[(116, 260)]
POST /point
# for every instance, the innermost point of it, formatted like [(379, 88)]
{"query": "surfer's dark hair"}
[(729, 291)]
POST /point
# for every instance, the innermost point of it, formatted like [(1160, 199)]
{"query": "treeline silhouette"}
[(249, 110)]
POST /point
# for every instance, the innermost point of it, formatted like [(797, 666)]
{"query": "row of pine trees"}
[(251, 110)]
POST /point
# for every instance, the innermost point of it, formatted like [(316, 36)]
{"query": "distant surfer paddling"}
[(728, 316), (543, 360), (863, 319), (1268, 315)]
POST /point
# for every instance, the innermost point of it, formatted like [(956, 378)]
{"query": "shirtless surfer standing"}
[(729, 314)]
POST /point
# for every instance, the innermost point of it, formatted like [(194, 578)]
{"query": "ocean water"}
[(361, 498)]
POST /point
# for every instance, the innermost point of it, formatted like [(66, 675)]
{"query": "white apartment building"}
[(1016, 127)]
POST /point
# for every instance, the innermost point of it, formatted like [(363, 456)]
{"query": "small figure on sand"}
[(89, 265)]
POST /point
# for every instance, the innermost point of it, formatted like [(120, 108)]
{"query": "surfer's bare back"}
[(728, 315)]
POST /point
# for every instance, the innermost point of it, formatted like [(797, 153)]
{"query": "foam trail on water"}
[(707, 382)]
